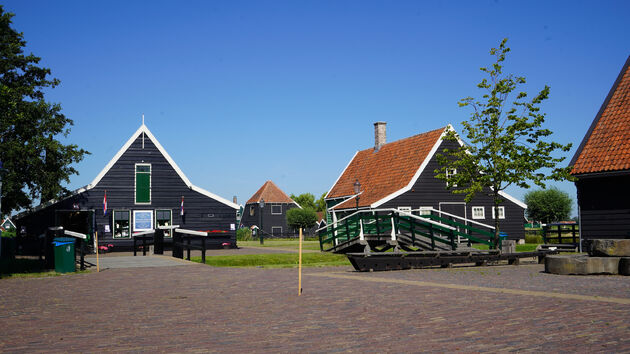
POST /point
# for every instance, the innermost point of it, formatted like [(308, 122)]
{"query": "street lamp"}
[(262, 206), (357, 189)]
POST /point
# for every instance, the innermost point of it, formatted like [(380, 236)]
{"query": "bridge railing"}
[(384, 222)]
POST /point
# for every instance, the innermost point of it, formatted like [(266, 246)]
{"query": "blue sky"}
[(240, 92)]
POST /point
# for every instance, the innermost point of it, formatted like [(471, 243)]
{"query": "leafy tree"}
[(305, 200), (320, 204), (548, 205), (301, 218), (505, 141), (35, 162)]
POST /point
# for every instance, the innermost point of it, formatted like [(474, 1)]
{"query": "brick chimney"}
[(380, 137), (234, 200)]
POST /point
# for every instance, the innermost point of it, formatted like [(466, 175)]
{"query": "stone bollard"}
[(508, 246)]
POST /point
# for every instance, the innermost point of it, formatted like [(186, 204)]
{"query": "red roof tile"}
[(606, 147), (384, 172), (271, 194)]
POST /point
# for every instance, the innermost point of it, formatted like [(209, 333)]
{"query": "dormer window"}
[(143, 183)]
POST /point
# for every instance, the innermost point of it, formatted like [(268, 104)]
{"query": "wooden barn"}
[(267, 210), (400, 175), (139, 189), (602, 166)]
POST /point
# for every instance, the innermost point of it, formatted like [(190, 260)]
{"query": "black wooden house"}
[(400, 175), (270, 216), (602, 166), (139, 189)]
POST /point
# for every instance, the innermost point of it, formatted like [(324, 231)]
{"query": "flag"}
[(105, 204), (182, 209)]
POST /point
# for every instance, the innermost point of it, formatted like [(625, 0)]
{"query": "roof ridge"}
[(407, 138)]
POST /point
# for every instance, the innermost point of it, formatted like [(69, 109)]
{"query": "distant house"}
[(139, 189), (400, 175), (273, 216), (7, 225), (602, 166)]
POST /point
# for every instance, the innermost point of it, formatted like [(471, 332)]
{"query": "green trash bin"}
[(64, 254)]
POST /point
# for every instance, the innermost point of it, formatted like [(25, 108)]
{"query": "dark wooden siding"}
[(604, 206), (430, 191), (268, 220), (167, 188)]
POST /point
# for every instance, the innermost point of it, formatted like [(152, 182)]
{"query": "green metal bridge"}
[(380, 230), (389, 239)]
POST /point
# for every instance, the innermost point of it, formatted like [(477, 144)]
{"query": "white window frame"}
[(148, 212), (167, 233), (135, 185), (114, 223), (425, 210), (276, 205), (450, 172), (406, 209), (276, 227), (483, 213), (501, 212)]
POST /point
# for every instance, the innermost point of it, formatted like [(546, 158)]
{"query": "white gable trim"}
[(512, 199), (342, 172), (416, 175), (143, 129)]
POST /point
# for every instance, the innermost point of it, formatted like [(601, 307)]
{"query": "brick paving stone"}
[(198, 308)]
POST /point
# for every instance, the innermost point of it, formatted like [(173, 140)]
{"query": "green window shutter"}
[(143, 184)]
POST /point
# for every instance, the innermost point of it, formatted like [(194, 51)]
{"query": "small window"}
[(425, 210), (451, 172), (478, 212), (164, 218), (276, 231), (501, 213), (252, 210), (120, 221), (276, 209), (405, 209), (143, 183)]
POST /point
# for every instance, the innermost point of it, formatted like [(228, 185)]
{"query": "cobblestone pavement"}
[(202, 308)]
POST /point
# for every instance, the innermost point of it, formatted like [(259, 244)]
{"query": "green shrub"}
[(533, 238), (8, 233), (244, 234)]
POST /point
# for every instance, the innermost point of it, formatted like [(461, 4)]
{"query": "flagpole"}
[(300, 266)]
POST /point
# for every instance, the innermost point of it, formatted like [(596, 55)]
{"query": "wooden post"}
[(98, 269), (300, 266)]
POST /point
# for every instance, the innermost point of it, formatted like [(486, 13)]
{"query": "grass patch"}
[(282, 260), (528, 247), (27, 268), (282, 243)]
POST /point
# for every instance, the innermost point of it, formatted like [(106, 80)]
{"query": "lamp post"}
[(357, 189), (262, 206)]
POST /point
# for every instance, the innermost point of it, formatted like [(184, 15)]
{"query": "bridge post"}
[(361, 235), (393, 216)]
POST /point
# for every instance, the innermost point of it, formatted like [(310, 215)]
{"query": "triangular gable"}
[(7, 223), (143, 129), (606, 145), (426, 146), (271, 194)]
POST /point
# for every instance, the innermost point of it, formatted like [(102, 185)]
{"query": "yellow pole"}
[(300, 266), (98, 269)]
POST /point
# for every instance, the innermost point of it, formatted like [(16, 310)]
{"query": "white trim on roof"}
[(342, 172), (423, 166), (416, 175), (143, 129)]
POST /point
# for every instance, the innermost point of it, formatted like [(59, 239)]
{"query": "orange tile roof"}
[(271, 194), (384, 172), (606, 147)]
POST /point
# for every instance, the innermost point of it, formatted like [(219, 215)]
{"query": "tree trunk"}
[(495, 200)]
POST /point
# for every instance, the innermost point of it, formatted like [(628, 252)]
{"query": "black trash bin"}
[(64, 255)]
